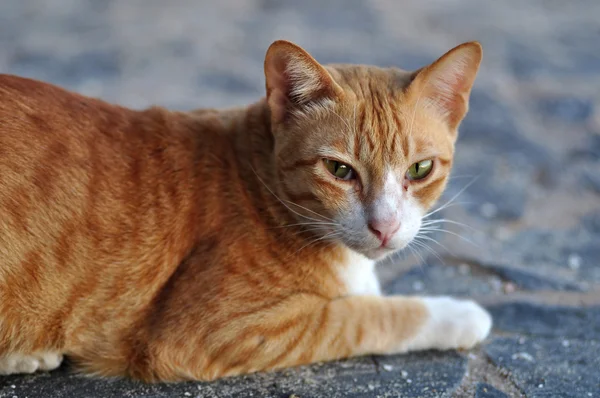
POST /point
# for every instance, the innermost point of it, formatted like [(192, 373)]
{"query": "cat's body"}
[(167, 245)]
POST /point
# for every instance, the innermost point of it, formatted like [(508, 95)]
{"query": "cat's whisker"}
[(421, 265), (313, 229), (451, 233), (279, 199), (429, 238), (386, 261), (343, 120), (444, 220), (452, 177), (306, 224), (312, 211), (416, 252), (354, 119), (447, 204), (429, 249), (326, 236)]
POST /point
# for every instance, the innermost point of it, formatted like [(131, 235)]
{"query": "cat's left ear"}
[(446, 84), (295, 80)]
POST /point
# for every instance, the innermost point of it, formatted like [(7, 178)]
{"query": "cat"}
[(167, 246)]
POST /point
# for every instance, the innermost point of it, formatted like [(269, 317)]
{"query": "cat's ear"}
[(446, 84), (295, 80)]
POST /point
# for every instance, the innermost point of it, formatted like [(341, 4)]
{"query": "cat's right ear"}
[(295, 80)]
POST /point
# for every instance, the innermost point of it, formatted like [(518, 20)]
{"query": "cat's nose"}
[(384, 229)]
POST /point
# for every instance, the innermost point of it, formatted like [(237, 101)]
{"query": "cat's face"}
[(362, 153)]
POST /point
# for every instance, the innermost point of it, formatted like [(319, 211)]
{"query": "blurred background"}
[(528, 157)]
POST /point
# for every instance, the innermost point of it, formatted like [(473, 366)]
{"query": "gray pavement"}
[(532, 252)]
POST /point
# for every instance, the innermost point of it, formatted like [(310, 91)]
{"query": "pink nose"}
[(384, 229)]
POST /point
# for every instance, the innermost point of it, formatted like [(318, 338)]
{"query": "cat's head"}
[(363, 152)]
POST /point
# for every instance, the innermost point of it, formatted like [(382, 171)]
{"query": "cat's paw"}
[(20, 363), (451, 323)]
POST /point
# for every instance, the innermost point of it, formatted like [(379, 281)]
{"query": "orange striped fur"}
[(168, 246)]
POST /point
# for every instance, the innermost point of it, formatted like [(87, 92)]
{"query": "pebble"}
[(509, 287), (404, 374), (523, 355), (541, 386), (371, 387), (187, 394), (566, 343), (388, 368), (408, 381)]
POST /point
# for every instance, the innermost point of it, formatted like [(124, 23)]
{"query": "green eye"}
[(339, 169), (419, 170)]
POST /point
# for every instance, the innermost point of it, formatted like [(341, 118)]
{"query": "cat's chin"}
[(379, 253)]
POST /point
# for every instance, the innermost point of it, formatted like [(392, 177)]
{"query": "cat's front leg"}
[(311, 329), (403, 324)]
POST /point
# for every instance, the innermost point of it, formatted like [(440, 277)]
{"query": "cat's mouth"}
[(380, 252), (385, 250)]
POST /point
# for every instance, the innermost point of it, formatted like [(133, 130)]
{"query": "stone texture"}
[(424, 375), (532, 280), (556, 353), (485, 390), (551, 321), (526, 168), (433, 279), (551, 367)]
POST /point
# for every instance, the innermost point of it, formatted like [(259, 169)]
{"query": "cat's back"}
[(95, 200), (52, 144), (25, 94), (82, 177), (35, 110)]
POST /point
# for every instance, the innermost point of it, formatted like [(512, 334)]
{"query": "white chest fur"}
[(358, 275)]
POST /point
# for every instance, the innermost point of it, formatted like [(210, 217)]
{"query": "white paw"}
[(49, 360), (451, 324), (20, 363)]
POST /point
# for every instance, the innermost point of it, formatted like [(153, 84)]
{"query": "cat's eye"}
[(419, 170), (339, 169)]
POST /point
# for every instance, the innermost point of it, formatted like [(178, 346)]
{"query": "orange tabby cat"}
[(167, 245)]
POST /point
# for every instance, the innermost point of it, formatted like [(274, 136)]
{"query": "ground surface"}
[(533, 137)]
